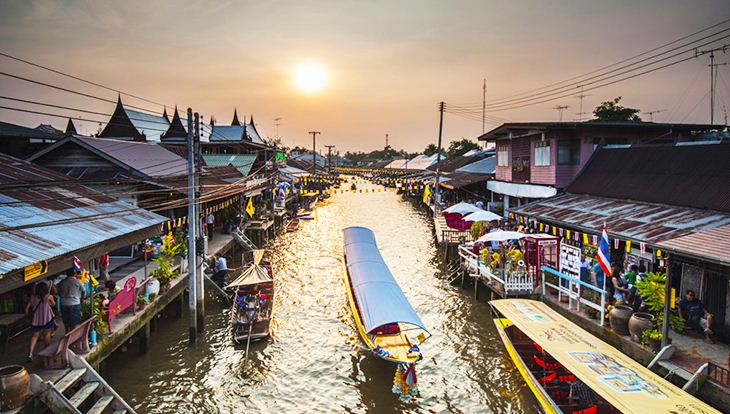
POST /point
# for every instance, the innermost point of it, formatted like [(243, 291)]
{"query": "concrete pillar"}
[(506, 205)]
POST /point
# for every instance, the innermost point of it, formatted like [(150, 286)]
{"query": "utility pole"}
[(580, 111), (651, 113), (713, 85), (560, 110), (277, 123), (199, 275), (192, 222), (484, 105), (437, 194), (329, 157), (314, 152), (386, 140)]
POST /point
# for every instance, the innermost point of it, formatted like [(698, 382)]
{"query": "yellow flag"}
[(249, 207), (628, 246), (426, 193)]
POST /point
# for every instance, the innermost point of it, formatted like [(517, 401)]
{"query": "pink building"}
[(538, 159)]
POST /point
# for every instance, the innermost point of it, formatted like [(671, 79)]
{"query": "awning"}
[(623, 382), (521, 190), (379, 298), (253, 274)]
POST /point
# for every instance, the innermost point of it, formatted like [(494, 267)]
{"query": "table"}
[(8, 322)]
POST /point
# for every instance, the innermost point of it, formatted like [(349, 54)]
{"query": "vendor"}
[(695, 313)]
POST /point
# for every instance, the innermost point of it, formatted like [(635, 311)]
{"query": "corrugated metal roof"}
[(253, 134), (632, 220), (224, 133), (695, 176), (422, 162), (484, 166), (458, 180), (392, 164), (40, 223), (451, 164), (150, 159), (713, 244), (241, 162)]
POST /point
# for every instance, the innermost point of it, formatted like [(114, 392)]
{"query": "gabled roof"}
[(148, 159), (227, 133), (129, 124), (422, 162), (177, 130), (49, 221), (696, 175), (235, 120), (70, 128), (453, 163), (13, 130)]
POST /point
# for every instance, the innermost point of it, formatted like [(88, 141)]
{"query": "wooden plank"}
[(70, 379), (101, 404), (84, 393)]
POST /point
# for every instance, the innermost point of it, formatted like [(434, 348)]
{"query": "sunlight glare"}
[(310, 77)]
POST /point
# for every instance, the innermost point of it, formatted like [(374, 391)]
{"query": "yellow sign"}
[(249, 207), (35, 270)]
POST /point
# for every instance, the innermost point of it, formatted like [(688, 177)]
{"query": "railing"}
[(456, 236), (718, 374), (575, 290), (513, 283)]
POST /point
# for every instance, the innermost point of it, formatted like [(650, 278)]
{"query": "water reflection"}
[(314, 360)]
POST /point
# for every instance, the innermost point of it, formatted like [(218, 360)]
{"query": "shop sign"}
[(570, 261), (35, 270)]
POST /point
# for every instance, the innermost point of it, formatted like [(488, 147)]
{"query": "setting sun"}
[(310, 77)]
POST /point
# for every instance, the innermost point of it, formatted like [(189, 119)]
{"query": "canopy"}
[(379, 298), (482, 215), (462, 208), (623, 382), (501, 235), (254, 274)]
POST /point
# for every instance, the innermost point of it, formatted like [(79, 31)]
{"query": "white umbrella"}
[(501, 236), (482, 215), (462, 208)]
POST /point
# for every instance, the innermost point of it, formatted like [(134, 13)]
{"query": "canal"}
[(314, 361)]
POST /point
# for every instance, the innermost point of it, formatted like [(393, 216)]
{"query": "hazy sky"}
[(389, 63)]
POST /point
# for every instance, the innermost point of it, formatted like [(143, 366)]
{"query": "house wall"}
[(544, 174), (505, 173)]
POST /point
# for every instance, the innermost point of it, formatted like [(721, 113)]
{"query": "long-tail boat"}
[(253, 301), (385, 319), (571, 371)]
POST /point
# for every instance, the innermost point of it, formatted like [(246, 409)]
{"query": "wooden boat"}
[(292, 225), (562, 362), (385, 319), (253, 301)]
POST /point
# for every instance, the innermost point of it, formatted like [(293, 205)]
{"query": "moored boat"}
[(253, 301), (385, 319), (292, 225), (571, 371)]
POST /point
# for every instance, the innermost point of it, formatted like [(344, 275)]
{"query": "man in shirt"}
[(598, 275), (220, 270), (71, 291), (692, 310)]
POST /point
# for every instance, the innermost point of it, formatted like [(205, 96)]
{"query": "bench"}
[(55, 355), (127, 297)]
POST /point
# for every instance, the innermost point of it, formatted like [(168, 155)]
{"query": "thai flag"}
[(77, 264), (604, 256)]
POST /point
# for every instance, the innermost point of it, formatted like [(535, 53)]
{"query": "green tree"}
[(430, 150), (460, 147), (611, 111)]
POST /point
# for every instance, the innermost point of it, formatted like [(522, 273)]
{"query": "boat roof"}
[(254, 274), (623, 382), (379, 298)]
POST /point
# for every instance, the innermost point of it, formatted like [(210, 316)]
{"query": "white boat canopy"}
[(254, 274)]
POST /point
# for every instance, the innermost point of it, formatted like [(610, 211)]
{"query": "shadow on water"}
[(315, 361)]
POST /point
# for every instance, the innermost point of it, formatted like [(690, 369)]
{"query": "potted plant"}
[(141, 302), (164, 272), (651, 289), (652, 338)]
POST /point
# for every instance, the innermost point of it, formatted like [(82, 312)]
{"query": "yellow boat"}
[(386, 321), (571, 371)]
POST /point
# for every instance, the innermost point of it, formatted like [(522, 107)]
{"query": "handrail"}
[(718, 374), (570, 279), (573, 295)]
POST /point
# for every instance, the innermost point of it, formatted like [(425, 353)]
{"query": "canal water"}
[(314, 361)]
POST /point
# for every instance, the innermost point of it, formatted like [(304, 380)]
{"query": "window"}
[(569, 152), (502, 156), (542, 153)]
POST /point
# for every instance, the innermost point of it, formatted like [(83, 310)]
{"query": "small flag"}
[(615, 243), (249, 207), (567, 234), (604, 256), (628, 246), (426, 193), (642, 247), (77, 264)]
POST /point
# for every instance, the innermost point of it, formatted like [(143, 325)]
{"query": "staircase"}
[(80, 390), (243, 240)]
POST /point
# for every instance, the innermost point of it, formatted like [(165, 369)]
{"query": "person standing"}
[(210, 220), (40, 311), (71, 291), (221, 269)]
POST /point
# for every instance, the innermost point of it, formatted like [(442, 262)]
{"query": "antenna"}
[(484, 104), (580, 112), (651, 113), (560, 110), (386, 140), (277, 123)]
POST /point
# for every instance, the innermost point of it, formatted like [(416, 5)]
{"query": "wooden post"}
[(667, 304), (144, 338)]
